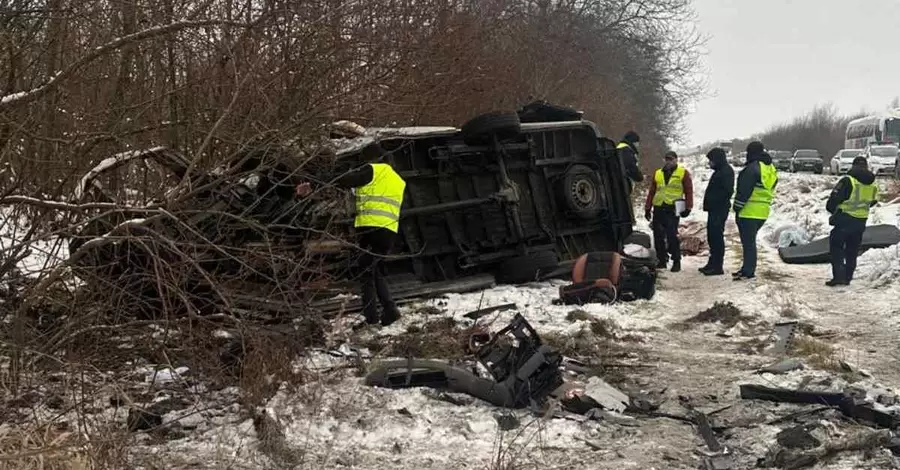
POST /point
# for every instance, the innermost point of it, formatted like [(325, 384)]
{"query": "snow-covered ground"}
[(335, 421)]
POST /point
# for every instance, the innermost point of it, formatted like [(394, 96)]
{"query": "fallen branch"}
[(67, 206)]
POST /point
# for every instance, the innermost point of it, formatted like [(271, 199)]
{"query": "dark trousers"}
[(665, 234), (844, 244), (748, 229), (377, 243), (715, 236)]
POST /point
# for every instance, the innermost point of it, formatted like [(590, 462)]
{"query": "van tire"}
[(582, 192), (479, 129), (522, 269)]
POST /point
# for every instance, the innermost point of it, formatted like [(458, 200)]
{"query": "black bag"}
[(637, 283), (597, 291)]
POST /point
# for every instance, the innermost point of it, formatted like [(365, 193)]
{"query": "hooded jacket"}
[(717, 198), (841, 192), (749, 177), (628, 154)]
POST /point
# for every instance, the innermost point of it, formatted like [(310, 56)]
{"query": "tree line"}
[(81, 80)]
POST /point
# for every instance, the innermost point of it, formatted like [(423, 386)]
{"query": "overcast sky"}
[(770, 60)]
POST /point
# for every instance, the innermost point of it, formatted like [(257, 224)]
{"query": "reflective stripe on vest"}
[(668, 193), (760, 203), (378, 203), (861, 198)]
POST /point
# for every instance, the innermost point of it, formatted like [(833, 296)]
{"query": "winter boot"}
[(676, 266), (390, 315)]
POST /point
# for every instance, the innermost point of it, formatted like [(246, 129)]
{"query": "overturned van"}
[(514, 194)]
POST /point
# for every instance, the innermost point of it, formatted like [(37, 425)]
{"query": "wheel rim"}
[(583, 193)]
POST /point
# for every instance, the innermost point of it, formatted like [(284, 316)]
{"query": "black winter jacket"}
[(748, 178), (629, 160), (841, 192), (717, 198)]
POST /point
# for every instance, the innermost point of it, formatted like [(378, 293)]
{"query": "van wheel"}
[(522, 269), (582, 192), (481, 128)]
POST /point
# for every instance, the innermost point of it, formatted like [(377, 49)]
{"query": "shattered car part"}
[(523, 372), (782, 367), (784, 334), (605, 395), (517, 357), (850, 405)]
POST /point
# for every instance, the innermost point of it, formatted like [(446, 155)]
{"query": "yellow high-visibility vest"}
[(378, 203), (760, 203), (668, 193), (861, 198)]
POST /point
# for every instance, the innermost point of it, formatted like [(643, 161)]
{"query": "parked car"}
[(842, 160), (781, 159), (882, 158), (807, 159)]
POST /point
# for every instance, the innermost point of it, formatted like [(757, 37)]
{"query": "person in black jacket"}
[(849, 204), (717, 203), (628, 152)]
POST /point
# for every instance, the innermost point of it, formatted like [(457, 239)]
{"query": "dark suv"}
[(781, 159), (810, 160)]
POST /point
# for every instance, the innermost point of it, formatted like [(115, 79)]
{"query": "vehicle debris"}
[(782, 367), (785, 333), (852, 403), (482, 312), (523, 372)]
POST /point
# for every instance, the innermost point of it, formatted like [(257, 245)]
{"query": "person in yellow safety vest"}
[(628, 152), (752, 203), (379, 198), (849, 204), (670, 183)]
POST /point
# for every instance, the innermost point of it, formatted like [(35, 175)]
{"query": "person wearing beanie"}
[(753, 203), (628, 153), (670, 183), (717, 203), (849, 204)]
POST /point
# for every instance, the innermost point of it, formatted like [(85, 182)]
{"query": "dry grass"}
[(725, 313), (442, 338), (817, 353)]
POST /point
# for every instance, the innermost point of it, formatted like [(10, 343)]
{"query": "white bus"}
[(871, 129)]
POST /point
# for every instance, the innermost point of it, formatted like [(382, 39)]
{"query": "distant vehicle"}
[(738, 160), (843, 159), (807, 159), (865, 131), (781, 159), (882, 158)]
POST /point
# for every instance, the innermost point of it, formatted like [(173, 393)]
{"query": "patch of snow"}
[(166, 375), (108, 163), (14, 97), (879, 266)]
